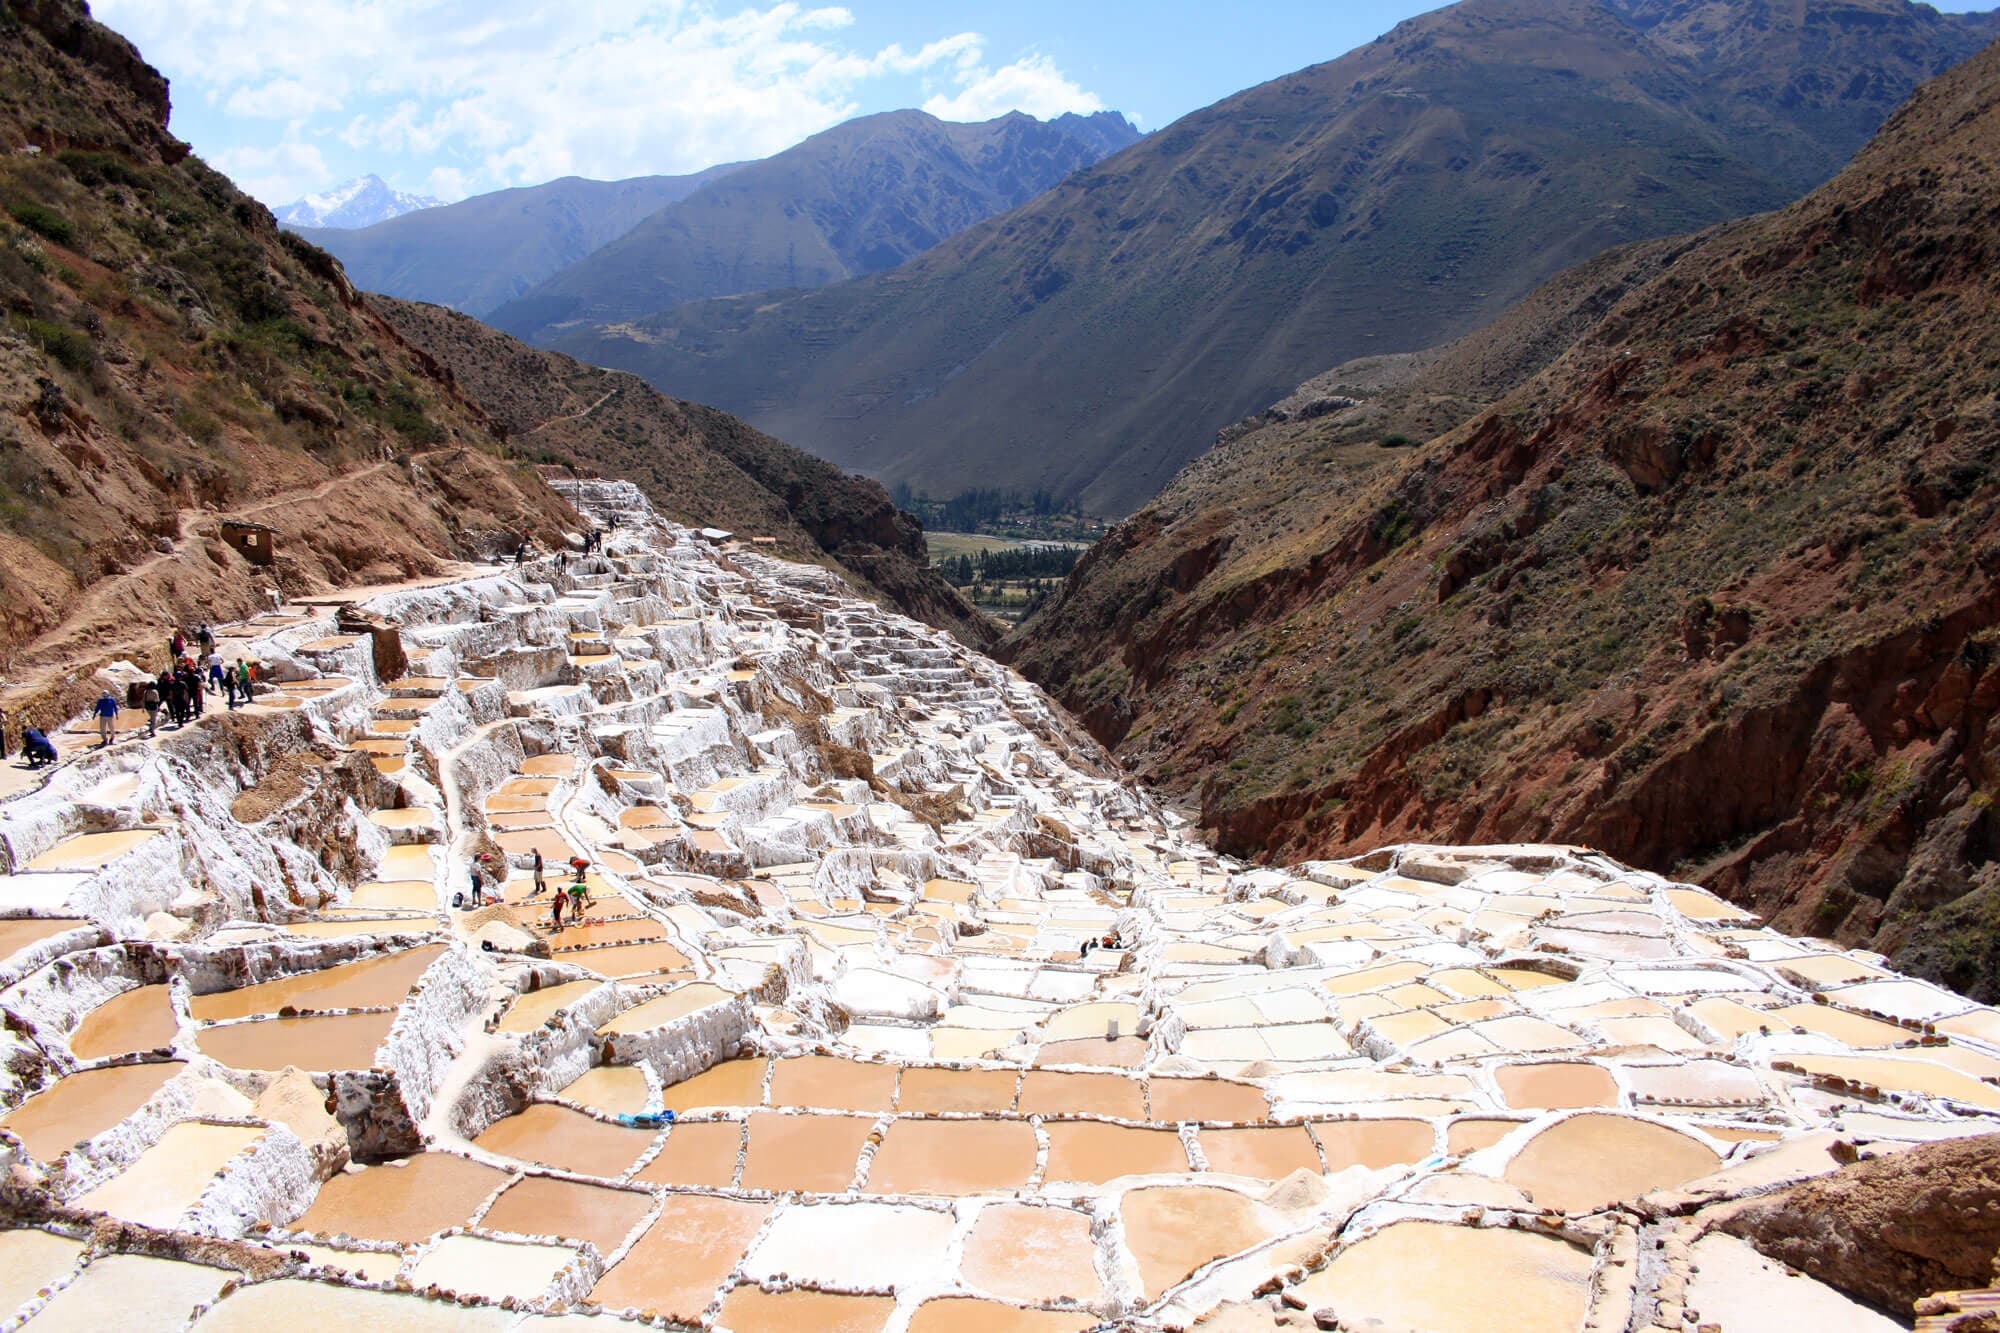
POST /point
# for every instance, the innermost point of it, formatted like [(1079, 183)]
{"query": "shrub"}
[(66, 347), (43, 221), (1397, 441)]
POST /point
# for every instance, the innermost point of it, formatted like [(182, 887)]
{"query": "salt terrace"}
[(853, 887)]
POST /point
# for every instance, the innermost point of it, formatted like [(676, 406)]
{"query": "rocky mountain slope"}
[(1718, 589), (863, 196), (1095, 340), (480, 253), (699, 466), (362, 202), (169, 357)]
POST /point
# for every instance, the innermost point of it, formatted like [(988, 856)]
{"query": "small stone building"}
[(255, 542)]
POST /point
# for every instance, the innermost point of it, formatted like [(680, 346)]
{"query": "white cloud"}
[(1032, 84), (482, 94), (278, 174)]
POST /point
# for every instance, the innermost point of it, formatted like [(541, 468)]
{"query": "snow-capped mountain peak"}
[(358, 203)]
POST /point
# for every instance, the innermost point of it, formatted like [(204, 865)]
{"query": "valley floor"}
[(892, 1005)]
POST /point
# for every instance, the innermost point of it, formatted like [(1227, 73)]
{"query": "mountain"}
[(1700, 568), (359, 203), (480, 253), (699, 466), (862, 196), (1095, 340)]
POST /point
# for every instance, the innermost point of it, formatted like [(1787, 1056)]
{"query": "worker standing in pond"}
[(540, 884), (106, 709)]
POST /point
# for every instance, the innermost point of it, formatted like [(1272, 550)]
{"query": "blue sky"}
[(456, 97)]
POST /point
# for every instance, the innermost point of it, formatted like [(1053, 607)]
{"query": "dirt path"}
[(578, 416)]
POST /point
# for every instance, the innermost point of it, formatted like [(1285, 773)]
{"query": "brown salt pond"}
[(550, 765), (1096, 1153), (1266, 1152), (697, 1152), (541, 1206), (1590, 1160), (91, 851), (1172, 1100), (404, 1201), (296, 1303), (978, 1090), (371, 982), (676, 1267), (140, 1019), (965, 1314), (953, 1157), (1373, 1143), (664, 1009), (729, 1084), (804, 1152), (752, 1309), (567, 1139), (315, 1043), (531, 1010), (401, 894), (1048, 1093), (168, 1178), (132, 1294), (1174, 1229), (623, 960), (612, 1089), (829, 1083), (1474, 1133), (1557, 1086), (17, 933), (84, 1105), (1022, 1253), (31, 1260), (1451, 1279)]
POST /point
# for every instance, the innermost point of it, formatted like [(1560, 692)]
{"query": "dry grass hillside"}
[(1717, 590), (168, 357), (698, 465)]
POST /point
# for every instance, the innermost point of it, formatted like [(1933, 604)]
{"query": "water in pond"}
[(987, 1090), (963, 1314), (1373, 1143), (1087, 1150), (804, 1152), (752, 1310), (1554, 1087), (293, 1303), (1454, 1279), (132, 1294), (17, 933), (1172, 1100), (316, 1043), (1591, 1160), (1173, 1230), (731, 1083), (541, 1206), (89, 851), (696, 1153), (140, 1019), (402, 1201), (1269, 1152), (1031, 1254), (535, 1008), (166, 1179), (495, 1269), (684, 1256), (1047, 1093), (612, 1089), (570, 1140), (31, 1260), (664, 1009), (833, 1084), (84, 1105), (382, 980), (953, 1157)]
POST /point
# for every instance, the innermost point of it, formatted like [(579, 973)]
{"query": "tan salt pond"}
[(535, 1008), (17, 933), (91, 851), (567, 1139), (31, 1260), (329, 930), (168, 1178), (731, 1083), (402, 1201), (550, 765), (965, 1314), (833, 1084), (297, 1303), (979, 1090), (415, 816), (1048, 1093), (140, 1019), (1450, 1279), (625, 960), (1373, 1143), (543, 1206), (1473, 1133), (132, 1294), (1174, 1229), (676, 1266), (409, 861), (1023, 1253), (84, 1105), (953, 1157), (612, 1089), (381, 980), (749, 1309), (1096, 1153), (1171, 1100), (1590, 1160), (804, 1152), (1896, 1074), (1555, 1087), (316, 1043), (697, 1152), (492, 1268), (403, 894)]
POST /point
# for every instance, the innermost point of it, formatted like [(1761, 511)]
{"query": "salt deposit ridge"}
[(844, 873)]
